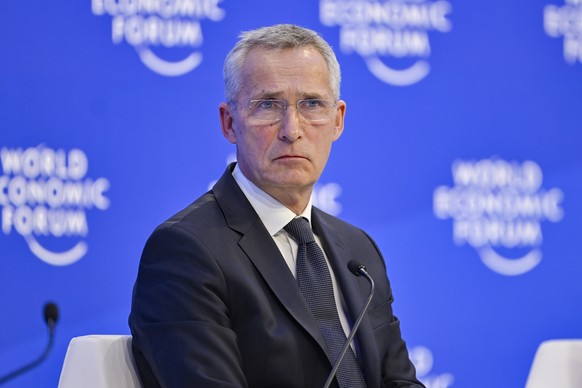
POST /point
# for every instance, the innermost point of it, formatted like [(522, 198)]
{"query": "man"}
[(228, 294)]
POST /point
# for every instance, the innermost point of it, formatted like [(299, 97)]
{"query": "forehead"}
[(276, 72)]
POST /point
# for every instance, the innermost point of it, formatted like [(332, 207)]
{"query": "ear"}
[(339, 120), (226, 122)]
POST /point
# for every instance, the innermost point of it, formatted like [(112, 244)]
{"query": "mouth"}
[(290, 157)]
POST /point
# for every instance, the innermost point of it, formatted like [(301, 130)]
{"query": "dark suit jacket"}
[(215, 305)]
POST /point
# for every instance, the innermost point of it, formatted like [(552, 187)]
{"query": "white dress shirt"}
[(275, 216)]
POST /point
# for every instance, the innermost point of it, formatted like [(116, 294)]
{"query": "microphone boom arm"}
[(51, 314), (359, 271)]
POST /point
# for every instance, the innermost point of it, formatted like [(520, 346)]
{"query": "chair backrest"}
[(557, 363), (99, 361)]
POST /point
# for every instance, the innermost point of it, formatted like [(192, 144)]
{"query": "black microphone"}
[(357, 269), (51, 315)]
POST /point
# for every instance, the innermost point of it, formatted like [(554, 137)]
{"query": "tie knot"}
[(300, 230)]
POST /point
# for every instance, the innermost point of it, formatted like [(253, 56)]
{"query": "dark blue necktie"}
[(316, 287)]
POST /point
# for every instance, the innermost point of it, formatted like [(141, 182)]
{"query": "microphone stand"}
[(51, 318), (358, 270)]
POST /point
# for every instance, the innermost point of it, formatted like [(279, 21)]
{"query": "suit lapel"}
[(271, 265), (259, 246), (354, 290)]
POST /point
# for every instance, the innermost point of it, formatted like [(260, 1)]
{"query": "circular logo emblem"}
[(167, 35), (496, 206), (45, 195), (392, 36)]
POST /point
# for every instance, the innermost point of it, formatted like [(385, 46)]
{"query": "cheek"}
[(253, 147), (323, 152), (323, 145)]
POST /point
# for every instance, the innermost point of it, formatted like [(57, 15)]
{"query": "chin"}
[(297, 183)]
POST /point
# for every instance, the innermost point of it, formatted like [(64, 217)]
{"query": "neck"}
[(295, 200), (296, 207)]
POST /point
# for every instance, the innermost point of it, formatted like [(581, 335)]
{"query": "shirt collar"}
[(273, 213)]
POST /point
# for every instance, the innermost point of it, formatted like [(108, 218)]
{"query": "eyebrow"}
[(267, 95)]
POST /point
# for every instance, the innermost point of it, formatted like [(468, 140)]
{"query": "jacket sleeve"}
[(179, 316)]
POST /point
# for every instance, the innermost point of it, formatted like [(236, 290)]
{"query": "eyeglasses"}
[(270, 111)]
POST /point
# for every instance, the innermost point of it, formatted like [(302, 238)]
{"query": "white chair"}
[(557, 363), (99, 361)]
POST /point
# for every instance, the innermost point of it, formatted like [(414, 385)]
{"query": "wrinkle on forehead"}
[(298, 72)]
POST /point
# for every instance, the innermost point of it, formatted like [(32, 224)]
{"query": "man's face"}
[(287, 156)]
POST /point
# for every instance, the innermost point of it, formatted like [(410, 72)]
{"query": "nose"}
[(290, 125)]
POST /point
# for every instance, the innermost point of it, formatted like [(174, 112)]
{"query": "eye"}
[(268, 104), (312, 103), (265, 104)]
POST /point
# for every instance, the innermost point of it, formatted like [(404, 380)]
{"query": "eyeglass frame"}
[(255, 102)]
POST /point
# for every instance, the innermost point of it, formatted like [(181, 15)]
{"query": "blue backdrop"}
[(462, 157)]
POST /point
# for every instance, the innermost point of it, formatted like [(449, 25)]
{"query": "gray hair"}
[(277, 37)]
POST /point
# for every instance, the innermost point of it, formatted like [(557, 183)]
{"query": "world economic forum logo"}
[(392, 36), (166, 34), (45, 194), (565, 21), (498, 207)]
